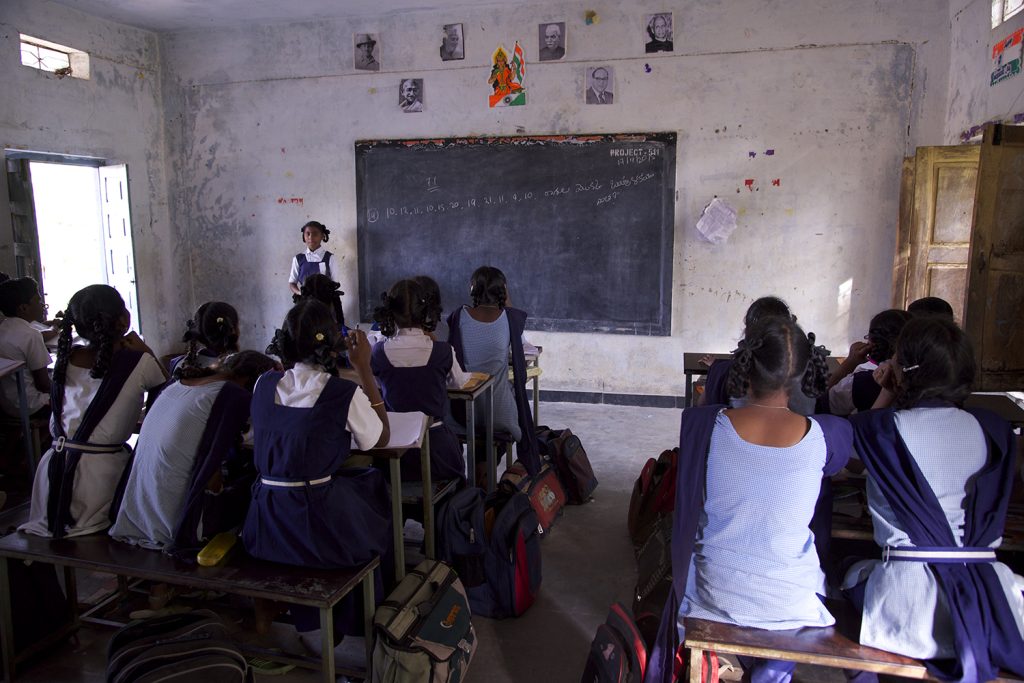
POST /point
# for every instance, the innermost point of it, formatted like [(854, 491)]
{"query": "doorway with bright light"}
[(72, 226)]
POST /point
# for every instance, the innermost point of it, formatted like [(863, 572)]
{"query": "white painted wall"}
[(115, 115), (841, 90), (972, 101)]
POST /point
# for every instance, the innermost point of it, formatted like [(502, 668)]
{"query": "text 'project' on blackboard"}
[(581, 225)]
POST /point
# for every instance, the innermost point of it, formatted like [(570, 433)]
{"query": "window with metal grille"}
[(55, 58)]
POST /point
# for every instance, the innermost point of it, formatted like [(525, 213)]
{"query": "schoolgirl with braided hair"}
[(96, 400), (486, 336), (211, 335), (415, 372), (326, 291), (748, 483), (188, 444), (309, 507), (939, 476), (851, 386)]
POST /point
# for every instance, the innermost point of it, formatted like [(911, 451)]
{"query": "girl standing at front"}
[(747, 486), (96, 401), (415, 372), (316, 258), (307, 510)]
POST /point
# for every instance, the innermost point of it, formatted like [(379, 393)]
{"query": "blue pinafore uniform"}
[(423, 389), (307, 267)]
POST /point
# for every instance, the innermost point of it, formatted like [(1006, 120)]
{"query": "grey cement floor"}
[(587, 565)]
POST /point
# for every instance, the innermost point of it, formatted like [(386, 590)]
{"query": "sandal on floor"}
[(267, 667)]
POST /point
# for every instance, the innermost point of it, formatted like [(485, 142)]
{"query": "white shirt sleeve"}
[(293, 277), (363, 422), (151, 374), (36, 355), (458, 377)]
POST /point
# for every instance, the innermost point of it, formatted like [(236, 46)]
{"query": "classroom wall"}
[(262, 123), (115, 115), (972, 100)]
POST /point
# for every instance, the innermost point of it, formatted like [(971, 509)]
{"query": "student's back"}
[(938, 476), (189, 434)]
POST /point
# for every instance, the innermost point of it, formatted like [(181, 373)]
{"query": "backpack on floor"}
[(424, 629), (654, 573), (178, 647), (544, 491), (571, 463), (654, 495), (512, 563), (461, 537), (618, 653)]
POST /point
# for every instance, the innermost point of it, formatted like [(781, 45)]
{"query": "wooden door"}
[(995, 299), (903, 230), (945, 181), (23, 221), (117, 236)]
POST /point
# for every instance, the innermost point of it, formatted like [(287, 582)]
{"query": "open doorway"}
[(74, 227)]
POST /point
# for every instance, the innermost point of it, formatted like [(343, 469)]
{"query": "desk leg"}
[(688, 398), (6, 621), (471, 440), (26, 424), (696, 661), (327, 644), (71, 590), (428, 496), (369, 607), (536, 400), (396, 518), (492, 466)]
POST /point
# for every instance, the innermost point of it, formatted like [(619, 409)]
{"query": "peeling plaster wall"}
[(972, 101), (115, 115), (262, 121)]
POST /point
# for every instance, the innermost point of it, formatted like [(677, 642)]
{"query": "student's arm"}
[(41, 379), (886, 378), (359, 356), (857, 355), (457, 377), (133, 342), (293, 277)]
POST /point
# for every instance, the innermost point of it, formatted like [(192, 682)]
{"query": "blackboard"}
[(581, 225)]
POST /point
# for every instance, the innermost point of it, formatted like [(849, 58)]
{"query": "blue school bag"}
[(461, 539), (510, 560)]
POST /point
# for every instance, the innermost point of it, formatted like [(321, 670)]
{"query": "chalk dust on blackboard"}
[(718, 222)]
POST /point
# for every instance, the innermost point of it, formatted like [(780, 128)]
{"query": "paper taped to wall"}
[(717, 222)]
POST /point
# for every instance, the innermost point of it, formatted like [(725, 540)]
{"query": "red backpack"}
[(654, 495)]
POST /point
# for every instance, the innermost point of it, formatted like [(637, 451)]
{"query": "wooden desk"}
[(470, 395), (402, 425), (239, 575), (18, 368), (999, 403), (692, 365)]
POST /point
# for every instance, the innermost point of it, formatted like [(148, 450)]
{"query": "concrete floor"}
[(587, 565)]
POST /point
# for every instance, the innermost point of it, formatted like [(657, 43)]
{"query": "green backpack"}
[(424, 630)]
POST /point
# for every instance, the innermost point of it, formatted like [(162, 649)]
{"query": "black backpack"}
[(178, 647), (570, 461)]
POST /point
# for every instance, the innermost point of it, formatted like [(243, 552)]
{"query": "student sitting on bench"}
[(939, 477), (191, 433), (748, 481)]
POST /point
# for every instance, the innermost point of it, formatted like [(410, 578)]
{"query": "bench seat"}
[(833, 647), (238, 575)]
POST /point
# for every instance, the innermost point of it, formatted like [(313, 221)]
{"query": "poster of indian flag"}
[(507, 76), (1006, 57)]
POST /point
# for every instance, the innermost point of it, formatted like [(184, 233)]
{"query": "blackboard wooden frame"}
[(612, 270)]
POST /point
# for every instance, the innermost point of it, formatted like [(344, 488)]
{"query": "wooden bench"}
[(834, 647), (239, 575)]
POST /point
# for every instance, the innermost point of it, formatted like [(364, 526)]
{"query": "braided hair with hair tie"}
[(773, 355), (309, 335), (815, 377), (488, 287)]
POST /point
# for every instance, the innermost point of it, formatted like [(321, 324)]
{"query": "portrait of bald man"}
[(552, 41)]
